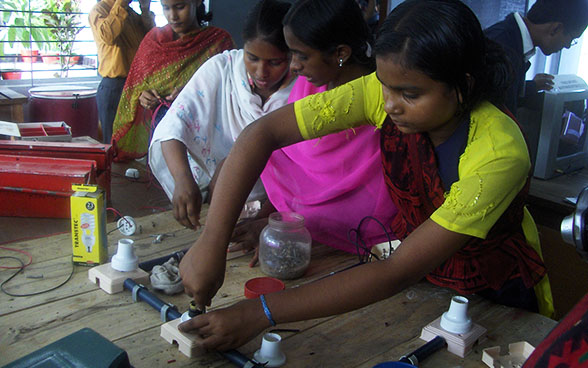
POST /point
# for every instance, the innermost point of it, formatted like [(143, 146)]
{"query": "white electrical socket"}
[(127, 225)]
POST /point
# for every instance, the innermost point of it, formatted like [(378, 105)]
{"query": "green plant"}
[(63, 19), (22, 24)]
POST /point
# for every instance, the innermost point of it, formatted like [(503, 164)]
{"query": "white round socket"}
[(126, 225), (270, 353), (132, 173), (125, 259), (456, 319)]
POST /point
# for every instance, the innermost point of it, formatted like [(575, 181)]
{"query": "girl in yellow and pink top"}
[(455, 164)]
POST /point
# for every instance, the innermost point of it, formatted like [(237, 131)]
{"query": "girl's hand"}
[(187, 202), (172, 96), (228, 328), (203, 270), (149, 99), (246, 237), (544, 82)]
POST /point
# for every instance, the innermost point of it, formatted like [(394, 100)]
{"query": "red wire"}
[(115, 211), (32, 237), (19, 251)]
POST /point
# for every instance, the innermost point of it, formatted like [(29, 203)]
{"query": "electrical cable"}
[(120, 216), (364, 252), (113, 230), (32, 238), (21, 269), (19, 251)]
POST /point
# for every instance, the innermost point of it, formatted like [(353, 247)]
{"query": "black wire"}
[(116, 228), (364, 252), (20, 269)]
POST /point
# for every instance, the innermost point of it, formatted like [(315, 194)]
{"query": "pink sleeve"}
[(303, 88)]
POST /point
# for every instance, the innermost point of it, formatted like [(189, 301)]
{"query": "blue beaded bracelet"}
[(266, 310)]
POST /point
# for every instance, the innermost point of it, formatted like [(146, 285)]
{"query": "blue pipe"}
[(172, 313), (147, 266)]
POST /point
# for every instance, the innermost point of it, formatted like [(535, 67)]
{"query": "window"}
[(47, 39), (44, 41)]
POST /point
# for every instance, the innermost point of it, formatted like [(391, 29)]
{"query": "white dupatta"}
[(207, 117)]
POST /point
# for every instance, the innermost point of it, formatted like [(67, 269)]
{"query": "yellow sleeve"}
[(359, 102), (108, 25), (492, 170)]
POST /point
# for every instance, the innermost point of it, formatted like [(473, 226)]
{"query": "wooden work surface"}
[(381, 332)]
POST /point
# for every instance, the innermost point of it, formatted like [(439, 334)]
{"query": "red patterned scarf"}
[(161, 63), (414, 184)]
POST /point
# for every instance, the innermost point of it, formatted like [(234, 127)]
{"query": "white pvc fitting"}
[(125, 259), (270, 351), (456, 319), (185, 316)]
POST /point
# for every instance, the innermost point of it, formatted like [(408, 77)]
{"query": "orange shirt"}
[(118, 31)]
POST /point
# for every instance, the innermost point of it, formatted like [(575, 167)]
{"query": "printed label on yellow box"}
[(88, 225)]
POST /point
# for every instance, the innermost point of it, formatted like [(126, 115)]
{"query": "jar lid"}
[(286, 220), (262, 285)]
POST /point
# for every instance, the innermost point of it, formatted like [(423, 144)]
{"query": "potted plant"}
[(23, 26), (10, 74), (63, 19)]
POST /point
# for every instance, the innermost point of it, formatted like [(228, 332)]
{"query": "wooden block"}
[(188, 344), (111, 280), (518, 353), (458, 344)]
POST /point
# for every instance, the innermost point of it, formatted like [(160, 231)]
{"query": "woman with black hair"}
[(455, 164), (228, 92)]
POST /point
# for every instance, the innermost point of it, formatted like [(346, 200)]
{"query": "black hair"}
[(573, 14), (202, 16), (325, 24), (444, 40), (265, 21)]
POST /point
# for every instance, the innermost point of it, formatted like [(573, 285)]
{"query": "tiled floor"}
[(131, 197)]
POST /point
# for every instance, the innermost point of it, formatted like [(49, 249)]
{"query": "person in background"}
[(335, 181), (227, 93), (166, 60), (118, 31), (550, 25), (371, 13), (456, 167)]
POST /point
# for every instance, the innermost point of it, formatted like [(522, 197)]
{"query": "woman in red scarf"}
[(166, 60)]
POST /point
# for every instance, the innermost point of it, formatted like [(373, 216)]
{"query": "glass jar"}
[(284, 246)]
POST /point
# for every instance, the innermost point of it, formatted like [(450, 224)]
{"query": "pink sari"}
[(334, 182)]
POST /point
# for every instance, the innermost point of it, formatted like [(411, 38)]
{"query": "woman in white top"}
[(226, 94)]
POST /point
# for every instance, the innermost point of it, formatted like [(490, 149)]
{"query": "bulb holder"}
[(125, 259), (270, 353), (456, 319)]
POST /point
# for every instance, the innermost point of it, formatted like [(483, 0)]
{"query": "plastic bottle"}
[(284, 246)]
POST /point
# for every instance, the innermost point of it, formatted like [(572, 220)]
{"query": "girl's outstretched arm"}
[(203, 267), (426, 248), (187, 199)]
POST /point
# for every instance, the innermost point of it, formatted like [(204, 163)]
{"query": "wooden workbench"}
[(381, 332)]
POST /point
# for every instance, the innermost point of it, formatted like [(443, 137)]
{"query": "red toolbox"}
[(41, 186), (101, 154)]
